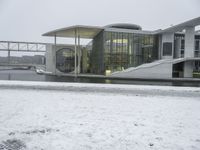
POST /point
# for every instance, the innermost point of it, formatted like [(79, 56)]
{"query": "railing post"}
[(8, 52)]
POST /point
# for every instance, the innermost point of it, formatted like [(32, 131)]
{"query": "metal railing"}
[(22, 46)]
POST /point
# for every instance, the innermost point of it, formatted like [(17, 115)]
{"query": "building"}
[(125, 50)]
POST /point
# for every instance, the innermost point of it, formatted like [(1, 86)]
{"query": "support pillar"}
[(167, 38), (8, 53), (189, 42), (189, 51), (79, 55), (188, 69), (75, 49), (55, 44)]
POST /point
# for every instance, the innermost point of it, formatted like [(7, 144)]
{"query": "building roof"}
[(191, 23), (87, 32), (124, 26)]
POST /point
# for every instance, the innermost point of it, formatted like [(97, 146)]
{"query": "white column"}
[(169, 38), (8, 52), (189, 51), (55, 43), (75, 49), (177, 45), (79, 55), (189, 41), (188, 69)]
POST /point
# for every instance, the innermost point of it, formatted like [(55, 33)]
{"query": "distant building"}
[(125, 50), (36, 59)]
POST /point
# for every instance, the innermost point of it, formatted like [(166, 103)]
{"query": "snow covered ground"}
[(74, 116)]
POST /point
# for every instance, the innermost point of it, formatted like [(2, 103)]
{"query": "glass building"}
[(125, 50), (118, 50)]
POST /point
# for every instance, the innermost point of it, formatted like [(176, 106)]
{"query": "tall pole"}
[(8, 52), (75, 48), (55, 43), (79, 57)]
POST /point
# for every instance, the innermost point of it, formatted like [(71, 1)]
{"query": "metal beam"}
[(79, 55), (75, 49), (55, 43)]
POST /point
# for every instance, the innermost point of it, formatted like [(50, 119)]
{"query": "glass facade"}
[(179, 46), (116, 51), (96, 54), (197, 46), (65, 60)]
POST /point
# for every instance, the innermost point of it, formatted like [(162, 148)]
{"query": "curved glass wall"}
[(65, 60), (116, 51)]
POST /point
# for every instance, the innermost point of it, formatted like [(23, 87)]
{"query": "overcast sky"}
[(26, 20)]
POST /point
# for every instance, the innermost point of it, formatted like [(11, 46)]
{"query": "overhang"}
[(191, 23), (175, 61), (86, 32)]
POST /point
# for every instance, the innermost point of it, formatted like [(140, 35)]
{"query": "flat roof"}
[(191, 23), (87, 32)]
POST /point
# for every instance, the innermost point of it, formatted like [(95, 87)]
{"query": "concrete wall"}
[(189, 51), (167, 37), (51, 57), (158, 71), (188, 69), (189, 41), (177, 45)]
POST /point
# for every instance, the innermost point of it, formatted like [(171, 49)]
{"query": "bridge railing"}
[(22, 46), (7, 57)]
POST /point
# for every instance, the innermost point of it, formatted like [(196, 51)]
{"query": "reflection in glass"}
[(65, 60), (122, 50)]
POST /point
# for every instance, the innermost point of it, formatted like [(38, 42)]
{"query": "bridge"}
[(16, 46), (22, 46)]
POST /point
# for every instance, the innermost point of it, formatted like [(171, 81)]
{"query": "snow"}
[(57, 116)]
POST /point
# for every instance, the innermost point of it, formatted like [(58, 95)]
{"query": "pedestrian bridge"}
[(22, 46), (26, 48)]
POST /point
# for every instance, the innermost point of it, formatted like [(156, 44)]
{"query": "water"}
[(31, 75)]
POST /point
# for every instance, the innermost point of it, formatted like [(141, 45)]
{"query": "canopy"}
[(87, 32)]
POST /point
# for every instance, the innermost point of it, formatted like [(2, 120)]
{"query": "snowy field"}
[(74, 116)]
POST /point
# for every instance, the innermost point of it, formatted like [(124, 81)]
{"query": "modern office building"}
[(125, 50)]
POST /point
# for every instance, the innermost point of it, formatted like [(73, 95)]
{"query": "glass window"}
[(167, 49), (65, 60), (121, 51), (197, 45), (182, 44)]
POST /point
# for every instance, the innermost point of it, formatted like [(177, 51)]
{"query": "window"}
[(167, 49), (197, 45), (182, 44), (65, 60)]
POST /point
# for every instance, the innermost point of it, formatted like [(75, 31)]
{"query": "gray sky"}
[(26, 20)]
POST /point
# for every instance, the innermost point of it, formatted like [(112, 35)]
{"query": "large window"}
[(116, 51), (65, 60), (167, 49)]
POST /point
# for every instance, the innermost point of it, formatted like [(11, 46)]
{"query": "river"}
[(31, 75)]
